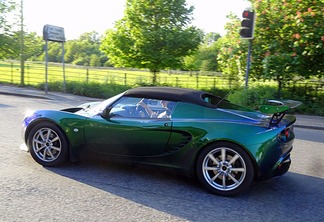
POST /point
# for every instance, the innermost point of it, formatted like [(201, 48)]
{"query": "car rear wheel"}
[(47, 144), (225, 169)]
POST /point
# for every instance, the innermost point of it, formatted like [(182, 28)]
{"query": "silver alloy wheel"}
[(224, 169), (47, 144)]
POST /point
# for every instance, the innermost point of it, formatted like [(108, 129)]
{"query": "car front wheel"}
[(47, 144), (225, 169)]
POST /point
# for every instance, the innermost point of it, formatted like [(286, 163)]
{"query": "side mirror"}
[(105, 113)]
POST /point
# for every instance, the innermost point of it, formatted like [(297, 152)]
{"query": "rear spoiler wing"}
[(278, 109)]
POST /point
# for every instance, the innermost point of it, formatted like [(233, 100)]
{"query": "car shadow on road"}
[(290, 196)]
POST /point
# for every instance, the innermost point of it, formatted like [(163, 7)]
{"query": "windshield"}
[(98, 109)]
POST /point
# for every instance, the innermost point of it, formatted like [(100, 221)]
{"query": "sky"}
[(78, 17)]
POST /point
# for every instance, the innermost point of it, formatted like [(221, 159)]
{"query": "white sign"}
[(53, 33)]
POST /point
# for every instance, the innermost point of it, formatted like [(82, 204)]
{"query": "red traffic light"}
[(247, 24), (247, 14)]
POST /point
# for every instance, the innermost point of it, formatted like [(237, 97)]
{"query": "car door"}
[(124, 133)]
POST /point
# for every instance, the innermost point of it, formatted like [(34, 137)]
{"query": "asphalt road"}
[(103, 191)]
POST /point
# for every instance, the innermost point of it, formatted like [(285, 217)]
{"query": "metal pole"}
[(248, 64), (64, 84), (22, 59), (46, 67)]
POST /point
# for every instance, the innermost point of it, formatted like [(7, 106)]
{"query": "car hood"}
[(85, 109), (89, 105)]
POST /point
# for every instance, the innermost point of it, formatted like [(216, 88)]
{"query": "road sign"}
[(53, 33)]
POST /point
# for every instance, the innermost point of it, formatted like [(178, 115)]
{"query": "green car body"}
[(224, 145)]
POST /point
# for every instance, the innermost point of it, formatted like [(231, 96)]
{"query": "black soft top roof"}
[(172, 94)]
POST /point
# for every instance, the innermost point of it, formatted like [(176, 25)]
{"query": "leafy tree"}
[(71, 51), (94, 60), (232, 52), (192, 62), (289, 43), (32, 45), (211, 37), (90, 37), (6, 44), (83, 51), (205, 58), (54, 50), (286, 44), (153, 35), (208, 56)]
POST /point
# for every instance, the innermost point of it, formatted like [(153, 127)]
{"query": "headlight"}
[(28, 113), (29, 117)]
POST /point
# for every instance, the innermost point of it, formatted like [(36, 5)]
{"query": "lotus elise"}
[(225, 146)]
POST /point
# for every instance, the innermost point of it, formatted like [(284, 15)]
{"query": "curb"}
[(309, 127), (25, 95)]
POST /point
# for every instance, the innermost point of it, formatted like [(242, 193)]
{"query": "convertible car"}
[(201, 135)]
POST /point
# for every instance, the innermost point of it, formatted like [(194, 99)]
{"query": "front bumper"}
[(24, 147)]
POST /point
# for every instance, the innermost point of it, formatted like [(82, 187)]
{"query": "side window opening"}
[(157, 108), (132, 107)]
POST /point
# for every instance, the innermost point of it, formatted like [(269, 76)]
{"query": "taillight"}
[(285, 134)]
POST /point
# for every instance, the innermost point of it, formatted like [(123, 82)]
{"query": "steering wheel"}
[(140, 111)]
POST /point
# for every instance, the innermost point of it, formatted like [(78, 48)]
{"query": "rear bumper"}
[(283, 166), (276, 166)]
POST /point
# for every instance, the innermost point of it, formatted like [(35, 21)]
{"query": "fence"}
[(34, 74)]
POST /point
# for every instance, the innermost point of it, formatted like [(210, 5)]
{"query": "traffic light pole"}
[(248, 64)]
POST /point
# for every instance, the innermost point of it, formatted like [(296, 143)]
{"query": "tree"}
[(205, 58), (153, 35), (192, 62), (286, 44), (211, 37), (33, 46), (54, 50), (6, 44), (83, 51), (232, 51), (94, 60), (289, 43)]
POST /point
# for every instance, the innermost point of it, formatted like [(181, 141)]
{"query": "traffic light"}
[(247, 29)]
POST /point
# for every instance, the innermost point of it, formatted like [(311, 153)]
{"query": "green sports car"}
[(201, 135)]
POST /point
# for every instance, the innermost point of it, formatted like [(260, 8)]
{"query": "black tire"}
[(225, 169), (48, 144)]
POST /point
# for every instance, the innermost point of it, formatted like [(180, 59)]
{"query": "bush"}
[(217, 92), (253, 97), (256, 96), (95, 90)]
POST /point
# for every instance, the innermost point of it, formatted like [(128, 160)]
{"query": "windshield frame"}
[(103, 105)]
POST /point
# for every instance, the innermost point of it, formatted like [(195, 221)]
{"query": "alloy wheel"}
[(46, 144), (224, 169)]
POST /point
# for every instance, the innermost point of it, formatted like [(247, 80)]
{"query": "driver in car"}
[(165, 114)]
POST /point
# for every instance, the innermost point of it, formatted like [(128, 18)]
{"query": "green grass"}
[(35, 74)]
